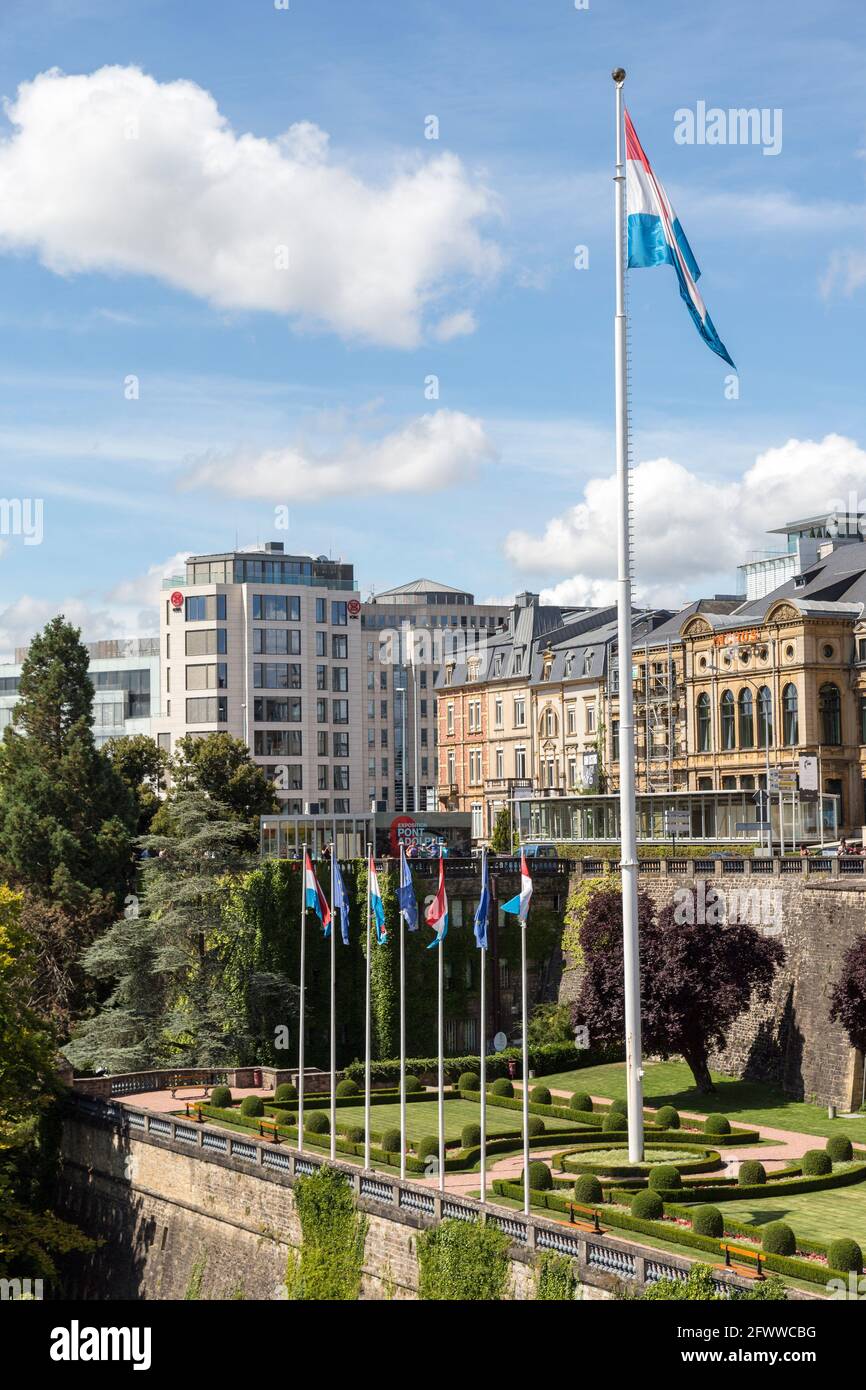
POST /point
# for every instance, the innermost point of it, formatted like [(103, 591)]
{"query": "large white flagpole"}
[(303, 997), (482, 1050), (367, 1029), (402, 1042), (333, 1014), (524, 1002), (628, 836)]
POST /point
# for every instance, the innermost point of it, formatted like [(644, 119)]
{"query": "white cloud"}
[(455, 326), (430, 453), (116, 172), (689, 529)]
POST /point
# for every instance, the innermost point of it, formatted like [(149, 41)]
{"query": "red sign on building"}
[(177, 599)]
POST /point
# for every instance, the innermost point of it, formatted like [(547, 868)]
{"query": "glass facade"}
[(714, 816)]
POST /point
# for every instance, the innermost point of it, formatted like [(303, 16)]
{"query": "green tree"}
[(166, 956), (66, 818), (550, 1023), (501, 841), (141, 765), (221, 767)]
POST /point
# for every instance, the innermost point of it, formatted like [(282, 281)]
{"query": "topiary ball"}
[(413, 1084), (285, 1091), (252, 1105), (355, 1135), (317, 1122), (614, 1122), (840, 1150), (717, 1124), (587, 1189), (469, 1081), (428, 1147), (540, 1177), (648, 1205), (502, 1087), (751, 1173), (539, 1095), (221, 1097), (535, 1125), (668, 1118), (816, 1163), (619, 1107), (708, 1221), (845, 1255), (470, 1136), (664, 1176), (580, 1100), (390, 1141), (778, 1239), (348, 1087), (285, 1119)]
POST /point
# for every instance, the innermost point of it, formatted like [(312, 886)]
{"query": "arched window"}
[(704, 731), (765, 717), (729, 738), (830, 709), (747, 723), (790, 720)]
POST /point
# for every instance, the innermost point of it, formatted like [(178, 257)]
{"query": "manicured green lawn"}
[(822, 1216), (746, 1102), (422, 1118)]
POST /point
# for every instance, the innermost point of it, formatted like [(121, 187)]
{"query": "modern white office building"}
[(126, 681), (267, 647)]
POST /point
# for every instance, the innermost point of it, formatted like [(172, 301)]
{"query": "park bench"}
[(195, 1114), (268, 1130), (182, 1082), (743, 1252), (591, 1212)]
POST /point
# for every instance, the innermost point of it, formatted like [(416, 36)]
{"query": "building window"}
[(765, 717), (520, 762), (729, 738), (277, 641), (520, 712), (339, 613), (571, 719), (276, 675), (341, 745), (704, 724), (340, 711), (746, 720), (863, 718), (321, 610), (340, 678), (274, 711), (202, 608), (790, 720), (449, 717), (212, 709), (830, 710), (614, 740), (590, 719), (341, 779), (277, 743), (210, 677), (451, 766), (277, 608), (209, 641), (500, 763), (497, 712), (321, 711), (340, 646), (477, 821)]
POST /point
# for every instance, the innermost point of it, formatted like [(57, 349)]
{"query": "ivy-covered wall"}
[(267, 903)]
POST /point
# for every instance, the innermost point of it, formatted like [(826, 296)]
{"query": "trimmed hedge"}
[(588, 1190), (580, 1100), (470, 1136), (816, 1163), (777, 1238), (252, 1105), (840, 1148), (502, 1087), (317, 1122), (539, 1095), (355, 1135), (613, 1124), (845, 1254), (708, 1221), (543, 1060), (663, 1177), (535, 1125), (469, 1081), (427, 1147), (668, 1118), (540, 1177), (286, 1091), (572, 1161), (618, 1107), (647, 1205), (717, 1124), (390, 1141), (221, 1097), (751, 1173), (348, 1087)]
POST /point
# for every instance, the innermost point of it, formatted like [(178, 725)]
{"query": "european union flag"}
[(406, 893), (341, 902), (482, 912)]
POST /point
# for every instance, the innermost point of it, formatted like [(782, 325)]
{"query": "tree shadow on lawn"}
[(729, 1096)]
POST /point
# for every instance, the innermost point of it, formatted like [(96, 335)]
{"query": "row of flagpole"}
[(436, 916)]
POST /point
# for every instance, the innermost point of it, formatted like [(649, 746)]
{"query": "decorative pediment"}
[(782, 612), (696, 627)]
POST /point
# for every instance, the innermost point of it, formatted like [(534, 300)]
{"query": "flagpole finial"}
[(618, 76)]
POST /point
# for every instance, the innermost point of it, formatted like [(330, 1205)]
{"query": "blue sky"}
[(408, 258)]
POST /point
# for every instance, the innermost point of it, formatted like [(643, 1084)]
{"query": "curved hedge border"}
[(708, 1160), (678, 1235), (780, 1187)]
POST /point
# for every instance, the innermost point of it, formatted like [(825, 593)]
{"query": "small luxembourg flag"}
[(315, 898), (436, 915), (655, 236), (376, 904), (482, 912), (519, 904), (406, 893)]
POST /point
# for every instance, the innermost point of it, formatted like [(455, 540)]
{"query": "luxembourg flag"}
[(436, 915), (377, 906), (655, 236), (315, 898), (519, 904)]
